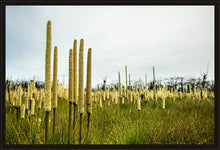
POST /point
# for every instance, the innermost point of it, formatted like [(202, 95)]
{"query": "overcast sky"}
[(177, 40)]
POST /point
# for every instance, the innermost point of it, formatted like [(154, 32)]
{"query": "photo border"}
[(5, 3)]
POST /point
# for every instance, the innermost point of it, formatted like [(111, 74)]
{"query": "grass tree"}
[(54, 87), (75, 84), (70, 92), (81, 88), (89, 89), (154, 86), (47, 97)]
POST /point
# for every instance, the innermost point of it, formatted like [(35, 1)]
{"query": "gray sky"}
[(177, 40)]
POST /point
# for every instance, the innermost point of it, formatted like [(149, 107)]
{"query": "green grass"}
[(182, 122)]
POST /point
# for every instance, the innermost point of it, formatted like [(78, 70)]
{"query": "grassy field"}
[(182, 122)]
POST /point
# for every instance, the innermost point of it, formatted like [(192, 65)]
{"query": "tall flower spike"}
[(70, 75), (81, 75), (23, 111), (88, 83), (47, 98), (75, 72), (55, 78)]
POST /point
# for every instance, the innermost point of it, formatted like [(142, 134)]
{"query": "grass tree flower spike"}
[(55, 78), (81, 75), (88, 82), (47, 97), (75, 84), (70, 92), (81, 88)]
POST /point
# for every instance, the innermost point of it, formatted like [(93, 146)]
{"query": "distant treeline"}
[(24, 84), (178, 83)]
